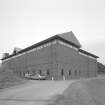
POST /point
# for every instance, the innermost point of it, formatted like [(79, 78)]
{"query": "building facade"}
[(59, 57)]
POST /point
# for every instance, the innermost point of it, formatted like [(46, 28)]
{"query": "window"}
[(23, 73), (70, 46), (69, 72), (41, 47), (44, 45), (67, 45), (48, 73), (47, 44), (28, 72), (54, 42), (40, 72), (62, 72), (38, 48)]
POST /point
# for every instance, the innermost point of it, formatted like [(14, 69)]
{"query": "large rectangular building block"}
[(56, 59)]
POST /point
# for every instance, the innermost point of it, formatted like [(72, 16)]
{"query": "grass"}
[(83, 92), (8, 78), (78, 92)]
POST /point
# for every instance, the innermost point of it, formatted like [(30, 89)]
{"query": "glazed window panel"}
[(62, 72), (48, 73), (54, 42), (69, 72), (40, 72)]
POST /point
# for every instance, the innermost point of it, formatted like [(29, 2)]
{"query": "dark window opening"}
[(28, 72), (69, 72), (40, 72), (62, 72), (23, 73), (48, 73)]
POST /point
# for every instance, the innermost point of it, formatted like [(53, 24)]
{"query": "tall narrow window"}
[(69, 72), (40, 72), (28, 72), (62, 72), (48, 73), (23, 73)]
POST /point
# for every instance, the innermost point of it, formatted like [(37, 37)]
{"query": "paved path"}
[(33, 93)]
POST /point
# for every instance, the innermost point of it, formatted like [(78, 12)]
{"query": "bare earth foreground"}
[(33, 93), (81, 92)]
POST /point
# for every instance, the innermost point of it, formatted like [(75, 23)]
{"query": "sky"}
[(26, 22)]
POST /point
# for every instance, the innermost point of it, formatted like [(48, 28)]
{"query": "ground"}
[(9, 79), (72, 92), (39, 92)]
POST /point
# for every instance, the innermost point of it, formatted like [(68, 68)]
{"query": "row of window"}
[(76, 72), (62, 72), (67, 45), (38, 72), (48, 73), (42, 46)]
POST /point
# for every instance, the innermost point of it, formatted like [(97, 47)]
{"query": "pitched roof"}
[(85, 52), (69, 36)]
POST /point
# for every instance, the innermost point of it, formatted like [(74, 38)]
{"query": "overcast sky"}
[(26, 22)]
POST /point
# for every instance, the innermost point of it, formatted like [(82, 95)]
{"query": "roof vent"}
[(5, 55), (16, 50)]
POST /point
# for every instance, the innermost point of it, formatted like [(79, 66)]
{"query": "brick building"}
[(58, 57)]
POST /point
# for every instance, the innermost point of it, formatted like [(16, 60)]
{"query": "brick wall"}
[(79, 65), (55, 61)]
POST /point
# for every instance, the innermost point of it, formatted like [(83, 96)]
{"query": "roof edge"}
[(70, 32), (85, 52), (33, 46), (40, 43)]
